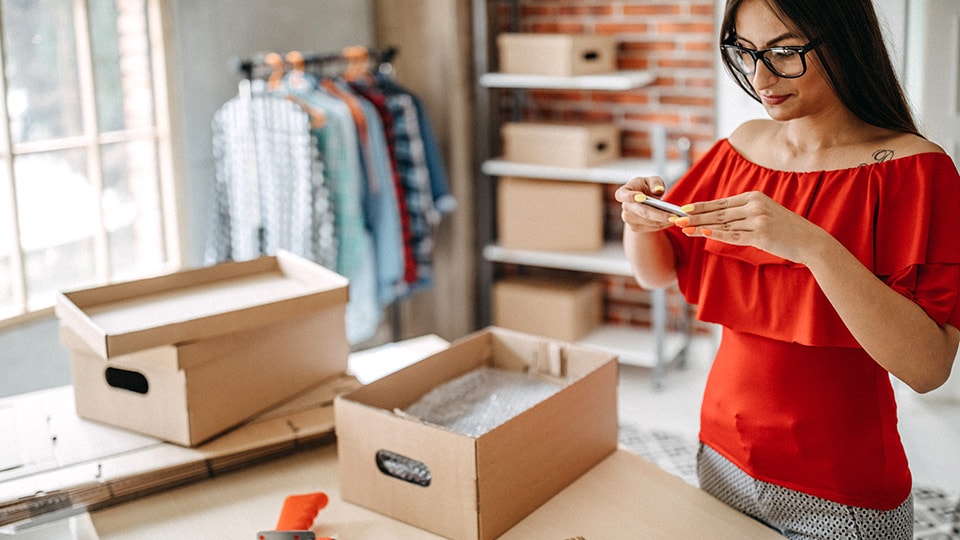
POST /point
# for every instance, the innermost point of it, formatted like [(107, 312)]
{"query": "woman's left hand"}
[(752, 219)]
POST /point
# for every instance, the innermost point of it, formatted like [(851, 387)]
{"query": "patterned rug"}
[(936, 512)]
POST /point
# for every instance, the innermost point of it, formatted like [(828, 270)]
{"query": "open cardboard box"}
[(478, 486), (186, 356)]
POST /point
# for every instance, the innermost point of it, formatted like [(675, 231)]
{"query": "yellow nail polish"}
[(673, 219), (639, 197), (659, 189), (687, 208), (682, 221), (689, 230)]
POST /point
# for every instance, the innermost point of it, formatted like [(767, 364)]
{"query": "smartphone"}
[(664, 205)]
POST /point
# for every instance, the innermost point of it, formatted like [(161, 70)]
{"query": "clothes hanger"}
[(358, 62), (276, 75), (296, 79)]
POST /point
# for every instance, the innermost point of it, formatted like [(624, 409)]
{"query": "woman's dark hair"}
[(851, 51)]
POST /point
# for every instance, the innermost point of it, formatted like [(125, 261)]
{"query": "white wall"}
[(933, 87), (933, 70)]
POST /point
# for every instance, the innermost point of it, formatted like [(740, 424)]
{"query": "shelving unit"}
[(619, 81), (656, 348)]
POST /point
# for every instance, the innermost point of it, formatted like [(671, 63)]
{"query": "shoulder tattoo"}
[(881, 155)]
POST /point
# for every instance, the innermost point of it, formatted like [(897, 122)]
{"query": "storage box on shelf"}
[(565, 308), (549, 215), (187, 356), (477, 487), (557, 54), (561, 144)]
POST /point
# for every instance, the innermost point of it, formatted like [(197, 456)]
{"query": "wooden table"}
[(624, 496)]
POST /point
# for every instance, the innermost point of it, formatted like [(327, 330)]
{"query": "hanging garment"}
[(340, 150), (378, 100), (384, 215), (269, 184), (443, 200), (382, 210), (422, 172)]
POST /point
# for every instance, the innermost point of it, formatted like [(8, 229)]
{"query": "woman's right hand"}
[(640, 217)]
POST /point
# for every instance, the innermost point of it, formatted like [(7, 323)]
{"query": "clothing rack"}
[(357, 63), (262, 65)]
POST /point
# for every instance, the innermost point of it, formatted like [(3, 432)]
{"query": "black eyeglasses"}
[(788, 62)]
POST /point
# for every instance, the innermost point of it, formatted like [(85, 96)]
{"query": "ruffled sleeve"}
[(896, 217), (917, 220)]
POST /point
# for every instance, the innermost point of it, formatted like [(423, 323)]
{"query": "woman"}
[(822, 241)]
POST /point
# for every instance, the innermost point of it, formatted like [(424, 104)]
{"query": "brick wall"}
[(675, 38)]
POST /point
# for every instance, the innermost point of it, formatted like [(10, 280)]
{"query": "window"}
[(86, 192)]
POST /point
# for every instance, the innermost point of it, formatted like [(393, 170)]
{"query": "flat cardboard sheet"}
[(626, 496)]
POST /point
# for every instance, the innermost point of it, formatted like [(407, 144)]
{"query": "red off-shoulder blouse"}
[(792, 398)]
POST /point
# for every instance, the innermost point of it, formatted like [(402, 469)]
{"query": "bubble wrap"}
[(480, 400)]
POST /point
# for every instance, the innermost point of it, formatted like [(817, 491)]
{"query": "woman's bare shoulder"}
[(752, 129), (894, 146), (908, 144), (747, 138)]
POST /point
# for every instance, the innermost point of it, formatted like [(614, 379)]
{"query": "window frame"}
[(92, 141)]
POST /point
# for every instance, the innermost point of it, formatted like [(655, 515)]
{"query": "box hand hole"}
[(601, 147), (127, 380), (403, 468), (591, 56)]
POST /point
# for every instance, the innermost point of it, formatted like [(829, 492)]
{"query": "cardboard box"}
[(562, 308), (479, 487), (561, 144), (549, 215), (187, 356), (560, 55)]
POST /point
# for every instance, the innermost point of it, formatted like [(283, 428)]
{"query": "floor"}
[(929, 426)]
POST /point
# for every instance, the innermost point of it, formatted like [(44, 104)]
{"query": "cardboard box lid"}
[(195, 304)]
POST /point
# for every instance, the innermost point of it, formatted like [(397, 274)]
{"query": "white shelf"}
[(635, 346), (652, 348), (613, 82), (618, 171), (609, 260)]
